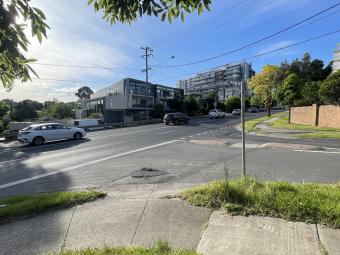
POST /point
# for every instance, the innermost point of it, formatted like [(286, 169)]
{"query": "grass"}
[(330, 135), (306, 202), (160, 248), (283, 123), (250, 124), (30, 205)]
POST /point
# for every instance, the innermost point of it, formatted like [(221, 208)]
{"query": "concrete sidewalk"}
[(140, 215)]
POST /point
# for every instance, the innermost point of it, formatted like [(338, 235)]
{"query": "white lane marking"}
[(84, 164), (13, 160), (165, 132), (325, 152), (55, 144), (130, 132)]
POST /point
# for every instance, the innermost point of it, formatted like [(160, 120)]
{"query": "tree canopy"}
[(233, 102), (129, 11), (330, 89), (13, 63), (264, 83), (84, 93)]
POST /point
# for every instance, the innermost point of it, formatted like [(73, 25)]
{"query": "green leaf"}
[(163, 16), (182, 16), (40, 13), (200, 8), (89, 2)]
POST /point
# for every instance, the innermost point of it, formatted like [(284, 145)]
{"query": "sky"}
[(80, 37)]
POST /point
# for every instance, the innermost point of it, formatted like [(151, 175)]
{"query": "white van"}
[(88, 124)]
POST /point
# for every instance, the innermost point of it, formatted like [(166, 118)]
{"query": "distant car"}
[(236, 112), (216, 114), (253, 109), (175, 118), (39, 133)]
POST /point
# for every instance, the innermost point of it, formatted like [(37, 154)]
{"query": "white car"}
[(236, 112), (216, 114), (39, 133)]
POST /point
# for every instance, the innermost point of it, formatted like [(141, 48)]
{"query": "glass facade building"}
[(130, 100)]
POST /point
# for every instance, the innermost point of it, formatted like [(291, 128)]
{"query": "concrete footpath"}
[(140, 215)]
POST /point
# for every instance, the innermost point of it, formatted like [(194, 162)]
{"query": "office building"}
[(130, 100), (336, 58)]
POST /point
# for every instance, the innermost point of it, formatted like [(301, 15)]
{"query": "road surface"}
[(201, 151)]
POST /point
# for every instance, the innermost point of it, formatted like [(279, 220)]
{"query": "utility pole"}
[(147, 53), (243, 128)]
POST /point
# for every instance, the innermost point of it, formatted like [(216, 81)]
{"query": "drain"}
[(147, 173)]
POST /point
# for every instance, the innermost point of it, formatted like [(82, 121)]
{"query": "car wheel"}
[(38, 141), (77, 136), (166, 123)]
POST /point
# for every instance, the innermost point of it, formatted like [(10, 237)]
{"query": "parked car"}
[(39, 133), (175, 118), (253, 109), (216, 114), (236, 112)]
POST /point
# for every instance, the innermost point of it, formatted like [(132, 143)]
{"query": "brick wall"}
[(305, 115), (329, 116), (323, 115)]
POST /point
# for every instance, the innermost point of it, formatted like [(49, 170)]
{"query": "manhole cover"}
[(147, 172)]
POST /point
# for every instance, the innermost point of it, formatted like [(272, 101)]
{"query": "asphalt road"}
[(172, 153)]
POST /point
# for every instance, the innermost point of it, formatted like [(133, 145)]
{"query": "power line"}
[(256, 42), (268, 52)]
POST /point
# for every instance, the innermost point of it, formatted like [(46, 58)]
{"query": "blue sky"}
[(79, 36)]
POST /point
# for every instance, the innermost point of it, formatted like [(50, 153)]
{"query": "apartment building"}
[(130, 100), (225, 79), (336, 58)]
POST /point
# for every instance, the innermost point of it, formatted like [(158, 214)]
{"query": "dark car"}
[(175, 118)]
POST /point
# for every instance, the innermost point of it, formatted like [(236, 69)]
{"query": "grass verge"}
[(160, 248), (330, 135), (307, 202), (30, 205), (250, 124), (283, 123)]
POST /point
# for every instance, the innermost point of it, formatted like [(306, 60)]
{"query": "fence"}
[(316, 115)]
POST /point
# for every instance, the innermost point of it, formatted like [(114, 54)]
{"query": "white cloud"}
[(74, 39)]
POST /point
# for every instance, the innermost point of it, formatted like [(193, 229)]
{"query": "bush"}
[(232, 103), (329, 91)]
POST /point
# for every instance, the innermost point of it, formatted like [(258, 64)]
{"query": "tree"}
[(330, 89), (84, 93), (193, 105), (255, 100), (158, 111), (13, 64), (129, 11), (4, 108), (290, 91), (233, 102), (176, 104), (310, 92), (62, 110), (264, 83), (23, 111)]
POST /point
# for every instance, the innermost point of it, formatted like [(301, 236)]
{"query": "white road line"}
[(164, 132), (325, 152), (13, 160), (95, 137), (3, 186)]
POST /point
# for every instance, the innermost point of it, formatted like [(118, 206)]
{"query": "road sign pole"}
[(243, 129)]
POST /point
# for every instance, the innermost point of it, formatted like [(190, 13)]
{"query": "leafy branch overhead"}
[(13, 64), (127, 11)]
